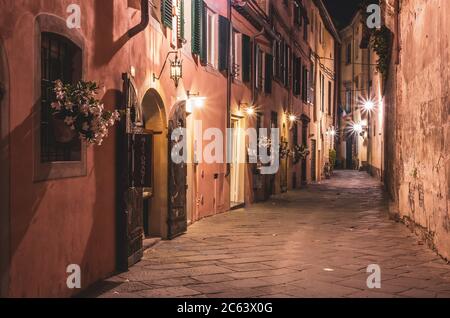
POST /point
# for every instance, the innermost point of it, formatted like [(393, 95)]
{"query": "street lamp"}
[(250, 111), (292, 118), (357, 128), (368, 106), (176, 69), (194, 101), (333, 132)]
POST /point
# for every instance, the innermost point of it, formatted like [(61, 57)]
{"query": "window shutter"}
[(246, 58), (166, 13), (269, 74), (296, 76), (181, 20), (197, 23), (287, 65), (224, 39), (282, 64), (204, 34)]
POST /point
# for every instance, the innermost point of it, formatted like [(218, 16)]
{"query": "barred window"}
[(61, 60)]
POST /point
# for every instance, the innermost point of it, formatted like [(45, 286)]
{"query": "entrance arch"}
[(156, 207), (4, 173)]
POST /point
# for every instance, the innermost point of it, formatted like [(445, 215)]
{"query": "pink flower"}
[(69, 121), (56, 106)]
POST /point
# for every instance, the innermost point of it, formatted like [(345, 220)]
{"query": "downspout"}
[(145, 20), (254, 79), (229, 77)]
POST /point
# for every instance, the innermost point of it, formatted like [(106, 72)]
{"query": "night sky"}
[(342, 10)]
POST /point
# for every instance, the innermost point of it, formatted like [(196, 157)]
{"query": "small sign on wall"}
[(142, 161)]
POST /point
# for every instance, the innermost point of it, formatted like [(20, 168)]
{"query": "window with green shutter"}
[(246, 58), (181, 20), (224, 39), (197, 25), (297, 76), (166, 13), (269, 74)]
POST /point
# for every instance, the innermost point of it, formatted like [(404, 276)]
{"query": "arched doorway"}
[(156, 204), (4, 173)]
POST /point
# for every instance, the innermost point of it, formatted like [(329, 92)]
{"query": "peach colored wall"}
[(62, 222)]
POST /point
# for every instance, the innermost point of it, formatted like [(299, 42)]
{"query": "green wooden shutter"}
[(224, 39), (204, 34), (269, 74), (166, 13), (297, 76), (246, 58), (181, 20), (196, 20), (294, 76)]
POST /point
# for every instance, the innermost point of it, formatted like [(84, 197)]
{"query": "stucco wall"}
[(68, 221), (419, 134)]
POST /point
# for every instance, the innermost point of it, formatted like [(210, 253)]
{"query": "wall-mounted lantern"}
[(247, 110), (292, 118), (176, 69)]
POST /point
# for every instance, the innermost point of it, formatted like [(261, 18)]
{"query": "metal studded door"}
[(177, 218), (130, 190)]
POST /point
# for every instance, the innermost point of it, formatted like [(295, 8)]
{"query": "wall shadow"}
[(105, 46), (103, 227)]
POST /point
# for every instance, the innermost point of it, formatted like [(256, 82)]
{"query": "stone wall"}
[(417, 119)]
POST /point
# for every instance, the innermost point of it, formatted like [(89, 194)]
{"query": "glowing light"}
[(357, 128), (292, 118), (250, 111), (368, 105), (199, 102), (194, 102), (333, 132)]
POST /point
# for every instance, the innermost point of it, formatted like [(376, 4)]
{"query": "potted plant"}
[(333, 158), (284, 151), (77, 112), (300, 152)]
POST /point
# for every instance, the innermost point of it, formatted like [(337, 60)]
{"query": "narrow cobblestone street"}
[(314, 242)]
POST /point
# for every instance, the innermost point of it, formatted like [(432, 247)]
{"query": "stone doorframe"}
[(5, 174)]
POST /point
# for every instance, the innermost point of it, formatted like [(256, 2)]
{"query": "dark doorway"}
[(305, 124), (177, 219), (314, 160), (349, 154)]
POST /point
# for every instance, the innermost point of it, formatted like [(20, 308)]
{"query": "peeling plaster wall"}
[(418, 175)]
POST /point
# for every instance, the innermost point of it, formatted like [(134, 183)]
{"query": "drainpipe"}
[(229, 75), (254, 79), (145, 20)]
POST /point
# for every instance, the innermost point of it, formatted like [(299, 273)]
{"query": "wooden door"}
[(133, 176), (177, 218)]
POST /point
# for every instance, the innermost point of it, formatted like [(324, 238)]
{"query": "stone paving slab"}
[(314, 242)]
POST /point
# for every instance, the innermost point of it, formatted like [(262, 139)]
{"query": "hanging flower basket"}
[(77, 112), (284, 151), (63, 133), (300, 152)]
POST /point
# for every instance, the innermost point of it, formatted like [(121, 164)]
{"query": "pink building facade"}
[(64, 204)]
